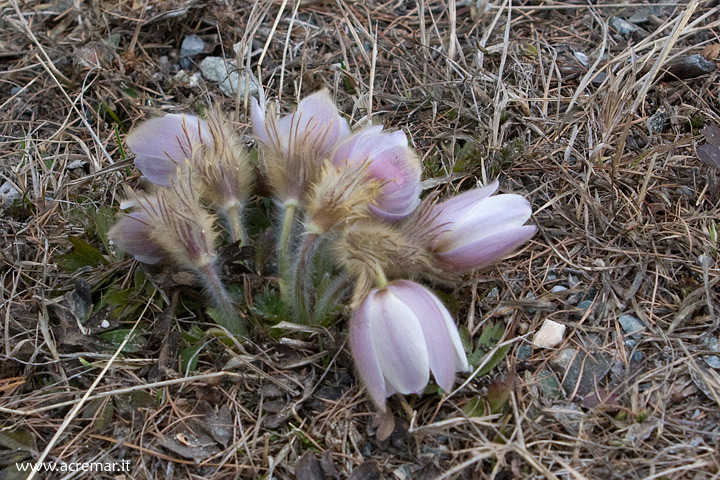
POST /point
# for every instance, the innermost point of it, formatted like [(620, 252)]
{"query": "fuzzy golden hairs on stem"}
[(225, 173)]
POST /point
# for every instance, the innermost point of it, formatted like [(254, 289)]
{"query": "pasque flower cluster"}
[(352, 225)]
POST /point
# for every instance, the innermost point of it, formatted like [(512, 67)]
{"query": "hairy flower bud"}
[(132, 234), (224, 173), (398, 335), (294, 146), (340, 197), (163, 144), (389, 161)]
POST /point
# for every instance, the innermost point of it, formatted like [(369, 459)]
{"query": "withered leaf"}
[(709, 154), (712, 134), (386, 425), (308, 467), (369, 470)]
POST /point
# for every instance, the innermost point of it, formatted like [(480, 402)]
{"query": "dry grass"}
[(627, 215)]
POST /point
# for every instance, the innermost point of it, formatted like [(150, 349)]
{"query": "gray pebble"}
[(631, 324), (713, 361), (558, 288), (224, 73), (585, 304), (622, 26), (192, 45)]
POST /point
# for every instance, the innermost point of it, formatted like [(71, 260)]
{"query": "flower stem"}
[(221, 298), (284, 250), (303, 280), (233, 220)]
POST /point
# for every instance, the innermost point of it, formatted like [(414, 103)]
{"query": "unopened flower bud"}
[(164, 144), (294, 146)]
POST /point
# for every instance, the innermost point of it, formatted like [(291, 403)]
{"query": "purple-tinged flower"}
[(294, 145), (133, 234), (401, 333), (391, 162), (475, 229), (163, 144)]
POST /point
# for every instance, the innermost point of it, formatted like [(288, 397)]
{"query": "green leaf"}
[(491, 335), (474, 408), (104, 218), (269, 307), (82, 255), (18, 440), (189, 357)]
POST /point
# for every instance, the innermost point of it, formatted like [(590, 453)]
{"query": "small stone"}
[(582, 58), (637, 357), (713, 361), (563, 358), (585, 372), (76, 164), (622, 26), (569, 416), (524, 352), (549, 335), (656, 122), (182, 79), (640, 17), (104, 324), (584, 305), (558, 288), (192, 46), (8, 193), (216, 69), (630, 324)]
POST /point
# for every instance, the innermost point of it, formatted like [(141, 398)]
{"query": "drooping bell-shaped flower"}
[(475, 229), (388, 160), (401, 333), (163, 144), (294, 146)]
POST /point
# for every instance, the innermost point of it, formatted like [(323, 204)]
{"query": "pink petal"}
[(131, 234), (399, 343), (486, 250), (167, 141), (257, 114), (457, 206), (364, 355), (445, 350), (486, 217)]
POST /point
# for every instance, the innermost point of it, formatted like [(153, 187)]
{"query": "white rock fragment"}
[(8, 193), (549, 335), (224, 73)]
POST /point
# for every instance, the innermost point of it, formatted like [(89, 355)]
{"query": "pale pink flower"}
[(391, 162), (164, 144), (474, 229), (401, 333)]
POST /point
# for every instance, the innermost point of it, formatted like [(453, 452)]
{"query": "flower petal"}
[(445, 351), (161, 144), (364, 354), (257, 114), (486, 250), (457, 207), (485, 218), (399, 343), (131, 234)]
